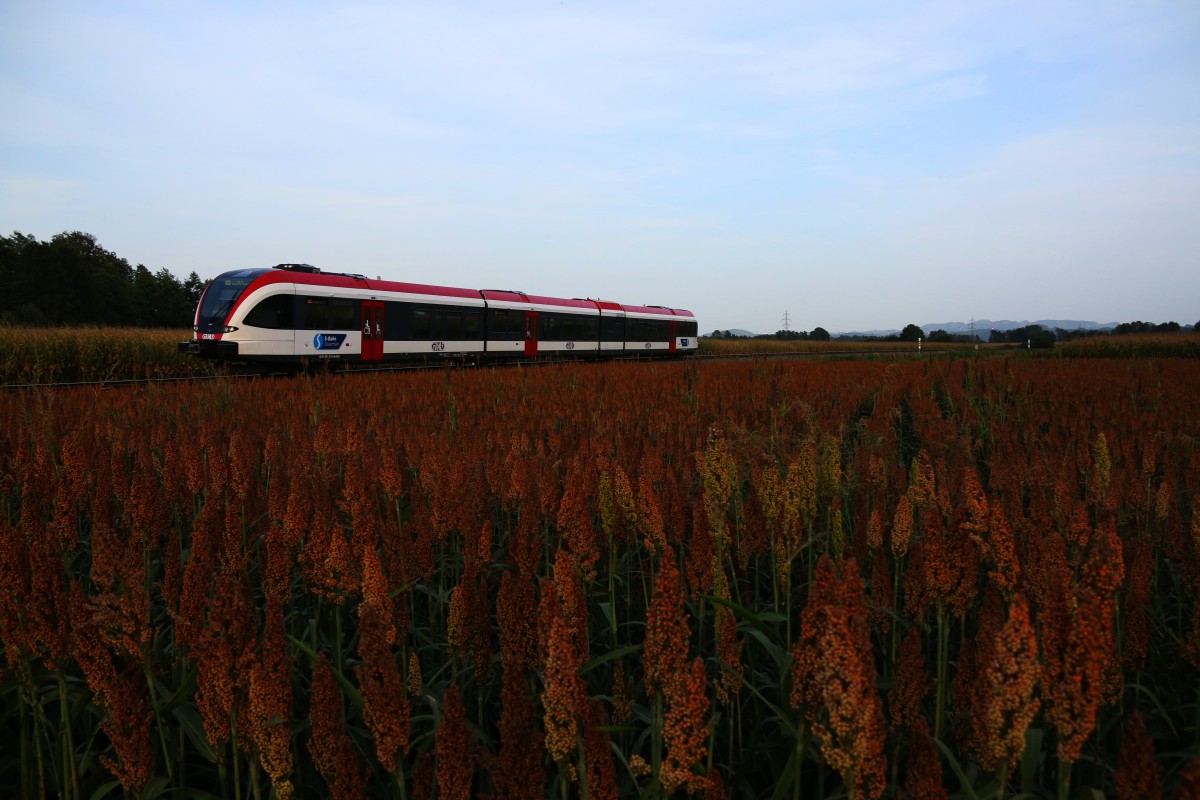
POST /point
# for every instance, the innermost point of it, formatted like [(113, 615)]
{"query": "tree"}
[(819, 334), (1033, 336), (72, 280), (911, 333), (1042, 338)]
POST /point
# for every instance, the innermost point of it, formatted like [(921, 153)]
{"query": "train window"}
[(345, 314), (420, 325), (316, 313), (398, 316), (274, 312), (506, 323), (453, 325), (472, 325), (613, 329), (219, 298), (687, 329)]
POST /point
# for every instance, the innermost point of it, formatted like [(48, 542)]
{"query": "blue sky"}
[(856, 165)]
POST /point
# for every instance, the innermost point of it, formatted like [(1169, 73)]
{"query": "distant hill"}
[(1008, 325), (733, 332), (984, 327)]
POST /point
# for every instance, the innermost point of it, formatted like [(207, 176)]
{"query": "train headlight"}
[(229, 329)]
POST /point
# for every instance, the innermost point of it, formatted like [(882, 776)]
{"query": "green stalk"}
[(1064, 779), (255, 789), (582, 768), (162, 733), (775, 577), (797, 763), (656, 735), (896, 567), (68, 744), (222, 777), (612, 594), (399, 777), (737, 701), (25, 771), (942, 648), (237, 777), (337, 638), (38, 729)]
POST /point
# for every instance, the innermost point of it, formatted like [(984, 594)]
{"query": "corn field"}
[(59, 355), (866, 579)]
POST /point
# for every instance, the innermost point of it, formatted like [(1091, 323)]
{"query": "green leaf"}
[(609, 615), (104, 789), (199, 794), (967, 788), (185, 690), (1030, 758), (785, 778), (618, 653), (791, 729), (772, 647), (349, 688), (193, 726), (741, 611), (155, 786)]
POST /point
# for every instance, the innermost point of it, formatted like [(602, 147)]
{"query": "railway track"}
[(244, 374), (851, 353)]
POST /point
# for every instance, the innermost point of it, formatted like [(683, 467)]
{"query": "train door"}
[(372, 330), (531, 333), (671, 346)]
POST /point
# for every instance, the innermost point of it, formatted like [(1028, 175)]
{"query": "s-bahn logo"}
[(328, 341)]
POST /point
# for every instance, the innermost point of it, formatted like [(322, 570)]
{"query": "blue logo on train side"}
[(328, 341)]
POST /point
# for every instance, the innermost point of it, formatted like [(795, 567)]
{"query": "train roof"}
[(658, 310), (308, 275)]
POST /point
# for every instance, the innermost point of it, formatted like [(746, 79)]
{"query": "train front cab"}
[(212, 324)]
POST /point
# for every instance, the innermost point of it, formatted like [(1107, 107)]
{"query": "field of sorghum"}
[(797, 579)]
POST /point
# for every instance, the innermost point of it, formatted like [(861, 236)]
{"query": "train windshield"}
[(222, 293)]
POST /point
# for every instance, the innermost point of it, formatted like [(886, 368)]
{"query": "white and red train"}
[(296, 314)]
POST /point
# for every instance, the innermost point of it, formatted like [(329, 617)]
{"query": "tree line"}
[(1029, 335), (72, 280)]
